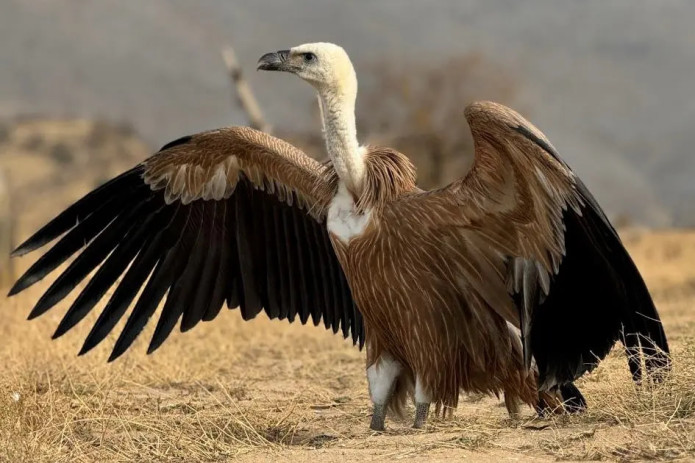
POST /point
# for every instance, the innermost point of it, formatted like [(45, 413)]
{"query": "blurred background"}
[(89, 88)]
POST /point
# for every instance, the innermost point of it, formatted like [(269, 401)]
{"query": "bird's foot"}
[(421, 412)]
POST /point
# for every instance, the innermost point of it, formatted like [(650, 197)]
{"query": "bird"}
[(510, 280)]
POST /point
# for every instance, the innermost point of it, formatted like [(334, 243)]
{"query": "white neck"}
[(340, 133)]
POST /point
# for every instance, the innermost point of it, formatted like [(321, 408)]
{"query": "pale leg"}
[(382, 378), (422, 404)]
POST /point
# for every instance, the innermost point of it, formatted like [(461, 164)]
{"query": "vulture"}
[(510, 280)]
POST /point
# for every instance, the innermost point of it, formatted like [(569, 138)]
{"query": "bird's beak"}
[(275, 61)]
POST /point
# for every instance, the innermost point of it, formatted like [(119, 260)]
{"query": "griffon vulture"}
[(510, 280)]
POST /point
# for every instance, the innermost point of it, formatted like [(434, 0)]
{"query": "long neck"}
[(340, 133)]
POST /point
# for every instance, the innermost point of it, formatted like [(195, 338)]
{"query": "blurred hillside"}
[(48, 164), (609, 83)]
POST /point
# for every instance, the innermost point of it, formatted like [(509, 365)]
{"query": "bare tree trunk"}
[(6, 264), (245, 96)]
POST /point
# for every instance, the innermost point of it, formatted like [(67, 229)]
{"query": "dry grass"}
[(265, 390)]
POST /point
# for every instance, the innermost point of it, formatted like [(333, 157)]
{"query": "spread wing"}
[(533, 243), (232, 215)]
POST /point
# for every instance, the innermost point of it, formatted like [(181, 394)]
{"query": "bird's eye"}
[(309, 57)]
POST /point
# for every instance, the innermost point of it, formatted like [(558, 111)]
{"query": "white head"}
[(328, 69), (325, 66)]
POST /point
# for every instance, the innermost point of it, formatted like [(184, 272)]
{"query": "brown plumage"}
[(209, 165), (448, 284), (510, 280)]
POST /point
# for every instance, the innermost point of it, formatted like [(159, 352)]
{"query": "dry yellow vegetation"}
[(263, 390), (268, 391)]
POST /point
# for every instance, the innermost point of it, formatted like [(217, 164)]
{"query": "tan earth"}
[(270, 391)]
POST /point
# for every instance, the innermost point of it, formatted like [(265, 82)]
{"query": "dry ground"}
[(263, 391)]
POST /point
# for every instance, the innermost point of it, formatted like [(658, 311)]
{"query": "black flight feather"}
[(109, 272), (155, 289), (289, 247), (250, 303), (81, 209), (191, 255), (88, 260), (283, 265), (222, 279), (209, 269), (304, 301)]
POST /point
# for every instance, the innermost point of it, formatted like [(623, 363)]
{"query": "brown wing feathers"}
[(209, 165), (256, 243), (575, 286)]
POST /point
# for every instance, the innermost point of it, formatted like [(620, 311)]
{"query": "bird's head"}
[(325, 66)]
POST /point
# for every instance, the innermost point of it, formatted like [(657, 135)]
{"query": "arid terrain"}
[(269, 391)]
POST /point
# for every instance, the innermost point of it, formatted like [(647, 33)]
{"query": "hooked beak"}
[(275, 61)]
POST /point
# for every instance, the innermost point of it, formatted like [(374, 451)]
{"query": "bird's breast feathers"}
[(344, 220)]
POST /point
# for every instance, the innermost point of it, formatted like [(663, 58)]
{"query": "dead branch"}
[(245, 96)]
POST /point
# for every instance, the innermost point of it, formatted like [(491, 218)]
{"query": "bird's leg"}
[(422, 404), (378, 417), (511, 401), (382, 376), (422, 409)]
